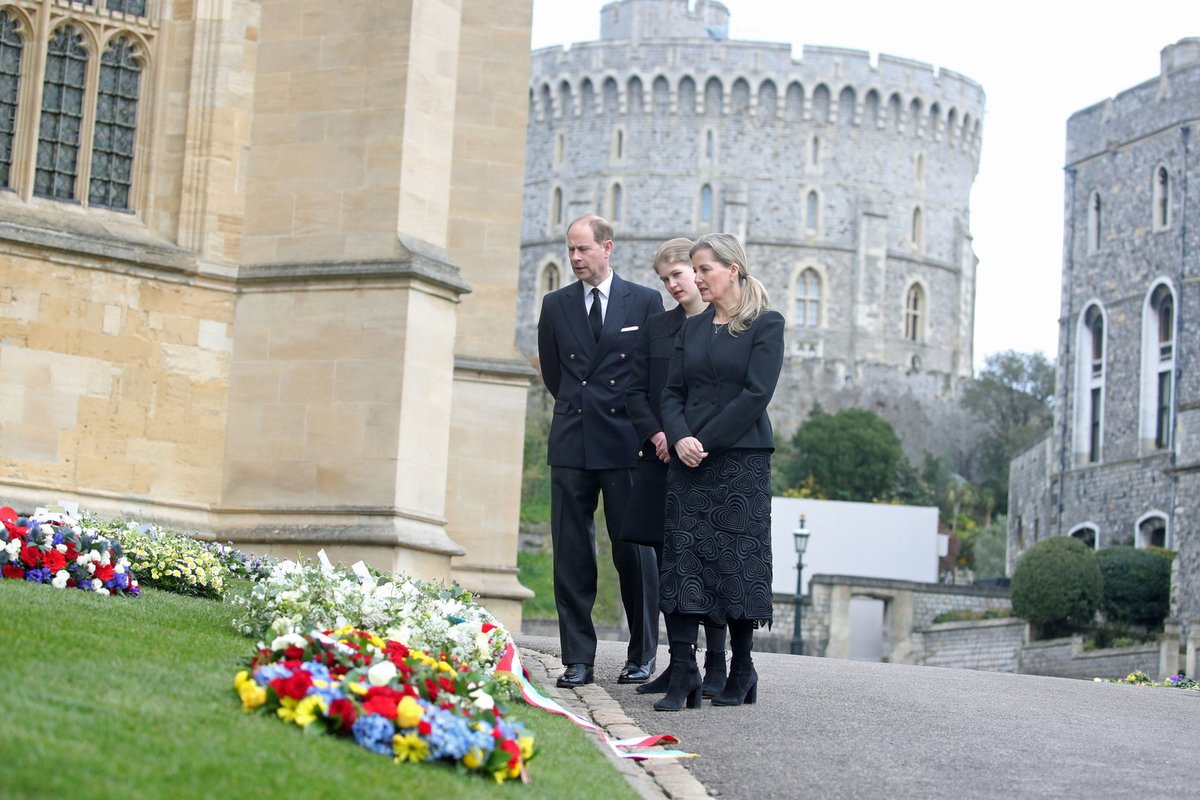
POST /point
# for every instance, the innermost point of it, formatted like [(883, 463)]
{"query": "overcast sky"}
[(1038, 63)]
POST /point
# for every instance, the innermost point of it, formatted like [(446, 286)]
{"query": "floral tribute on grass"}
[(52, 547), (392, 699), (1139, 678), (300, 597)]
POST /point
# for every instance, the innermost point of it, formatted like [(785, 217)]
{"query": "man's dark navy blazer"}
[(588, 378)]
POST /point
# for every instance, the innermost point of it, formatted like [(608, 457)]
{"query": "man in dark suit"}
[(586, 335)]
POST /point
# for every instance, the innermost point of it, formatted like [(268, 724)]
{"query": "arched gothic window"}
[(1086, 534), (551, 278), (806, 299), (1151, 531), (11, 45), (1158, 367), (914, 313), (812, 207), (706, 205), (1089, 386), (62, 115), (116, 126)]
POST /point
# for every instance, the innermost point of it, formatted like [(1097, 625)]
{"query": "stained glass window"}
[(62, 115), (116, 125), (10, 77)]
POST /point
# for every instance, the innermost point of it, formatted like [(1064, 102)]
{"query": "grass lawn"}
[(119, 697)]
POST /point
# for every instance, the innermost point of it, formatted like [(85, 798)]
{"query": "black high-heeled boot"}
[(658, 685), (685, 679), (741, 686), (714, 673)]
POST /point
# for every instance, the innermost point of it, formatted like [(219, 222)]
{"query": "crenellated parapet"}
[(761, 80)]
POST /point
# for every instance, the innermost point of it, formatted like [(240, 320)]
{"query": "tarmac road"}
[(827, 728)]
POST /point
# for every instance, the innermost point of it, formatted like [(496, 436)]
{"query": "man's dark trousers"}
[(572, 492)]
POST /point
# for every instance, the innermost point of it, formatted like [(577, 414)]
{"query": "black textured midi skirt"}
[(717, 550)]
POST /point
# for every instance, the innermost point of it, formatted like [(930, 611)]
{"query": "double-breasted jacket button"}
[(612, 411), (612, 383), (579, 411), (571, 356), (640, 454), (584, 383), (622, 356)]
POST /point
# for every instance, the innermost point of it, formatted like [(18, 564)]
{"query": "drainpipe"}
[(1064, 333)]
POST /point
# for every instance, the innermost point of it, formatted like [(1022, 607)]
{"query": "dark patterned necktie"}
[(594, 315)]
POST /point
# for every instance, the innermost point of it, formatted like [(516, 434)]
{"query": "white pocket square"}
[(630, 328)]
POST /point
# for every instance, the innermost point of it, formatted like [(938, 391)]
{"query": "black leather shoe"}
[(575, 675), (636, 673)]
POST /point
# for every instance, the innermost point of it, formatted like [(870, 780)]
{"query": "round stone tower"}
[(847, 180)]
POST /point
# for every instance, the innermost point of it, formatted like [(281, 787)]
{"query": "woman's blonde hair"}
[(674, 251), (728, 250)]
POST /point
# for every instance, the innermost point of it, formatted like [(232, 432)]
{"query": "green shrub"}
[(1057, 585), (963, 615), (1137, 585)]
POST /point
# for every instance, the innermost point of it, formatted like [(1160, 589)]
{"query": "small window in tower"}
[(706, 205), (914, 313), (916, 231), (816, 151), (811, 209), (1095, 231), (1162, 199)]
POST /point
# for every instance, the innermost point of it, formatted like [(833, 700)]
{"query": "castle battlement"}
[(825, 85), (1141, 110)]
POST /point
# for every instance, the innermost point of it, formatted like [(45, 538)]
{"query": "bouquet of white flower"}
[(298, 598)]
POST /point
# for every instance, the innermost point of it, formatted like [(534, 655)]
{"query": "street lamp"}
[(801, 536)]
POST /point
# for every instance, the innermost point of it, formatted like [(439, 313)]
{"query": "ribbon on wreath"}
[(511, 666)]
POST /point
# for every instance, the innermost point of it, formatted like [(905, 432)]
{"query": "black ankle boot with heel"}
[(658, 685), (685, 681), (740, 687)]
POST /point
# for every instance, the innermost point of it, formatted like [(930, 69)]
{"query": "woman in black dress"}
[(716, 561), (643, 400)]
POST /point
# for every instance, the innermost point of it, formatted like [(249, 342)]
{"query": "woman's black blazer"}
[(648, 375), (719, 384)]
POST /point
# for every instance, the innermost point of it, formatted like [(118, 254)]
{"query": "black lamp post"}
[(801, 536)]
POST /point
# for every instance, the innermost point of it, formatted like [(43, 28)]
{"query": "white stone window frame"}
[(1083, 526), (797, 285), (37, 22), (811, 231), (1087, 379), (1153, 363), (555, 209), (540, 287), (1160, 194), (702, 224), (1139, 539), (920, 332)]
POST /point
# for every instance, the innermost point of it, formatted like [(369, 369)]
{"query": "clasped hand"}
[(690, 451), (661, 449)]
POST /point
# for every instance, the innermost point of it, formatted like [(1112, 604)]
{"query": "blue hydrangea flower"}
[(374, 732), (449, 735), (120, 581), (264, 675), (38, 575), (319, 671)]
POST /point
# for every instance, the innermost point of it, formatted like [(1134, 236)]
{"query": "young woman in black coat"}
[(643, 400)]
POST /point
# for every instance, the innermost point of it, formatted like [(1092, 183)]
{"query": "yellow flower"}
[(287, 709), (410, 747), (526, 743), (473, 759), (377, 642), (356, 687), (252, 695), (307, 709), (240, 678), (444, 667), (408, 713), (500, 774)]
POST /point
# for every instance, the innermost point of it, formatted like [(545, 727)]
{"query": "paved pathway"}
[(825, 728)]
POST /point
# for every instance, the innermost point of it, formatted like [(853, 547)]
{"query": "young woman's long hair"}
[(674, 251), (728, 250)]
